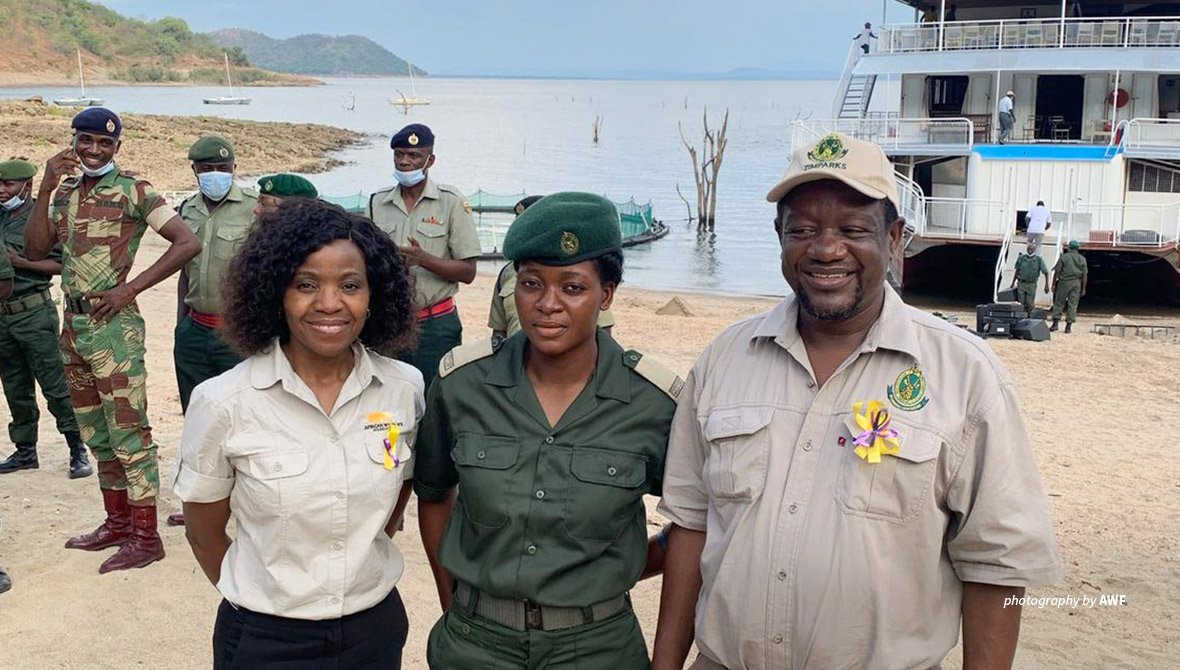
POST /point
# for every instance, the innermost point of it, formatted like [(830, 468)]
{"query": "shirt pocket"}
[(485, 464), (375, 447), (896, 489), (227, 240), (605, 493), (432, 237), (270, 481), (739, 444)]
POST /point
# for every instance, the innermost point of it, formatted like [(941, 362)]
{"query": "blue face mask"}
[(13, 203), (215, 185), (412, 178), (100, 171)]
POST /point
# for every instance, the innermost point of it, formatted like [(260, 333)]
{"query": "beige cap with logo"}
[(859, 164)]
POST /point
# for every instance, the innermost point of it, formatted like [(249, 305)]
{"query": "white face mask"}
[(98, 172), (411, 178), (12, 203)]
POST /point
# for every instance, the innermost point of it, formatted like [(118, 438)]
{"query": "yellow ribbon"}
[(878, 436), (391, 435)]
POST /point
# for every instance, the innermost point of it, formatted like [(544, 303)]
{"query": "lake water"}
[(512, 135)]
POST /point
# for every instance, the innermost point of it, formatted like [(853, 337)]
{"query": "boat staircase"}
[(855, 91), (1015, 244)]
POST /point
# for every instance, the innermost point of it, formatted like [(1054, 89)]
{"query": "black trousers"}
[(367, 640)]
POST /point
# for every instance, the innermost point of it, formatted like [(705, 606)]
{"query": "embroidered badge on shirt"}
[(908, 391), (431, 219)]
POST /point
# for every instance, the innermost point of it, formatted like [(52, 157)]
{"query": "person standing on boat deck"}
[(503, 318), (1039, 219), (1029, 268), (309, 443), (1007, 116), (99, 219), (863, 39), (432, 227), (220, 213), (28, 333), (952, 14), (848, 478), (1070, 276), (553, 439), (929, 16), (274, 189)]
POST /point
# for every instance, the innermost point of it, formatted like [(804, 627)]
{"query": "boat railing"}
[(1140, 133), (965, 219), (913, 203), (845, 78), (952, 134), (1047, 33), (1148, 226)]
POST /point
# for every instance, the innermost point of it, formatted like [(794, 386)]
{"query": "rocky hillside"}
[(315, 54)]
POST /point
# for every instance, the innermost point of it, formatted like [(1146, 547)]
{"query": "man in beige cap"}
[(848, 478)]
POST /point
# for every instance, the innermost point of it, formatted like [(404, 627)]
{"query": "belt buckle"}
[(532, 615)]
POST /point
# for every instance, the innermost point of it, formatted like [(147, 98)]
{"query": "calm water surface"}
[(511, 135)]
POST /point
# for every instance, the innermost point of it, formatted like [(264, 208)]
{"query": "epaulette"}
[(464, 354), (655, 372), (452, 190), (250, 193)]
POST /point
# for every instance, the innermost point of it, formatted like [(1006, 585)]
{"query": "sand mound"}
[(675, 307)]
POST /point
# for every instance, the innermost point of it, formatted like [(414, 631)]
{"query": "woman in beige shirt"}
[(308, 442)]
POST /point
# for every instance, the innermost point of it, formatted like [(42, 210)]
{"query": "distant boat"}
[(402, 100), (230, 99), (81, 101)]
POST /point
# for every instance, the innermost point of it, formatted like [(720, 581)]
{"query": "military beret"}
[(413, 135), (286, 185), (14, 170), (211, 149), (98, 121), (525, 203), (1074, 244), (563, 229)]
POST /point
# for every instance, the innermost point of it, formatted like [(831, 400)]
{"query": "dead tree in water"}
[(597, 128), (706, 164)]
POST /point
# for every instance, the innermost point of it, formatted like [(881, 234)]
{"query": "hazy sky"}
[(559, 37)]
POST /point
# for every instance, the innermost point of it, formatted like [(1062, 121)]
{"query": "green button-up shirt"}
[(5, 268), (554, 515), (12, 235), (222, 232), (441, 223), (1071, 265)]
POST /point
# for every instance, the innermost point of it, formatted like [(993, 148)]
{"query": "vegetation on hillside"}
[(315, 54)]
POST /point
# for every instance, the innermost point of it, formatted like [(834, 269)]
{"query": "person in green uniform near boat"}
[(1070, 276), (1029, 268), (552, 438), (275, 188), (99, 219), (431, 225), (28, 333), (502, 316)]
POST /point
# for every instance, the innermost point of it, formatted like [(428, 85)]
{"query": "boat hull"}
[(78, 102), (228, 101)]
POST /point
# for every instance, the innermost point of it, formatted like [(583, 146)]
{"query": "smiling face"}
[(559, 305), (11, 188), (95, 151), (326, 303), (835, 248)]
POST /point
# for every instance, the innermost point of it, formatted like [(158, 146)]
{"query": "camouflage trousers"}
[(108, 383)]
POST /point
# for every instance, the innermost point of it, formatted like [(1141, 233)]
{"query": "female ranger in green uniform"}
[(553, 438)]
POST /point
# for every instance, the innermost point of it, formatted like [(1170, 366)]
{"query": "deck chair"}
[(1166, 37), (971, 37), (1034, 36), (1013, 36), (1111, 33), (953, 37), (1084, 34), (1138, 36)]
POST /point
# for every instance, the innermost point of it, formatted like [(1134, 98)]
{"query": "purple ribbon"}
[(880, 421)]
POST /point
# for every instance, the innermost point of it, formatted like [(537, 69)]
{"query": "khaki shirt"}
[(440, 221), (503, 317), (222, 233), (310, 491), (816, 558)]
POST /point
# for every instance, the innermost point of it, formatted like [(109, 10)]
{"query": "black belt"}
[(524, 614), (76, 304), (25, 303)]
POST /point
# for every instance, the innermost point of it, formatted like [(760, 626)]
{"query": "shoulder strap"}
[(655, 372), (464, 354)]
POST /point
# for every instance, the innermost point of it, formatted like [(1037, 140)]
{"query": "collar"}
[(893, 330), (611, 378), (430, 192), (234, 195), (271, 367), (25, 208)]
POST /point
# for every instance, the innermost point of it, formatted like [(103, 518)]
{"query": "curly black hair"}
[(278, 245)]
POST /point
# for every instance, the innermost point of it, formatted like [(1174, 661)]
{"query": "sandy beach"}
[(1098, 409)]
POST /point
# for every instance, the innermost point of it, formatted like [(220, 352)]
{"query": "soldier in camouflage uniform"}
[(28, 333), (99, 219)]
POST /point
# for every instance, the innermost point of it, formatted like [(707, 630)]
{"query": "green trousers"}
[(1066, 298), (108, 384), (1026, 293), (436, 337), (199, 354), (459, 640), (29, 356)]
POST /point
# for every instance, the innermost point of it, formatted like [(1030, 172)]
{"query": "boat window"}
[(947, 95), (1145, 178)]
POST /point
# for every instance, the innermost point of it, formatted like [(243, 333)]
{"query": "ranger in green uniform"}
[(552, 438), (502, 316), (29, 331), (1069, 284), (432, 227), (99, 219), (275, 188), (1029, 267)]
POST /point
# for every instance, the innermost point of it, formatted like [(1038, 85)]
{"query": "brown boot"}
[(115, 530), (176, 519), (143, 548)]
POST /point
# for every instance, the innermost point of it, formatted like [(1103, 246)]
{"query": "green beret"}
[(211, 149), (286, 185), (563, 229), (16, 169), (1074, 244)]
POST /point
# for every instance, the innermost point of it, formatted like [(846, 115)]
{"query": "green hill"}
[(314, 54)]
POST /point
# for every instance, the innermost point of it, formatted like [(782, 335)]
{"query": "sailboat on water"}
[(230, 99), (402, 100), (83, 100)]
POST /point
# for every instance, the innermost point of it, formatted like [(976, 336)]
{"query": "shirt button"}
[(807, 447), (340, 495), (778, 639), (278, 467), (334, 440), (481, 454), (335, 600), (782, 574), (810, 384), (612, 471), (540, 495), (793, 508), (549, 440), (337, 546), (532, 550)]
